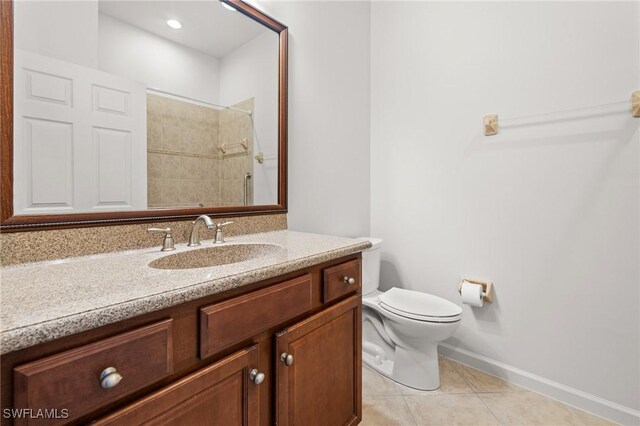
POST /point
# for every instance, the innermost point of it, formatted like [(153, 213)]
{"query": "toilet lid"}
[(418, 305)]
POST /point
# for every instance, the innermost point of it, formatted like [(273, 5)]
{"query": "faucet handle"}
[(167, 242), (219, 236)]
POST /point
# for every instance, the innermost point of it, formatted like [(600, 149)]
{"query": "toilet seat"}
[(419, 306)]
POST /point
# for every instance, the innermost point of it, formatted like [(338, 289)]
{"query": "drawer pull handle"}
[(286, 358), (109, 378), (349, 280), (256, 377)]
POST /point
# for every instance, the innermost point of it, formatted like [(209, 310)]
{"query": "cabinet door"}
[(322, 384), (221, 394)]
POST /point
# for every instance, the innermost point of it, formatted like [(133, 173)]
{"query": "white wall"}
[(159, 63), (66, 30), (548, 209), (328, 114), (251, 71)]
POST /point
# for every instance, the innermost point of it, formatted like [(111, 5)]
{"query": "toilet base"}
[(417, 370)]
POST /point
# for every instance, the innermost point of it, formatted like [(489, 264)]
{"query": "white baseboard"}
[(565, 394)]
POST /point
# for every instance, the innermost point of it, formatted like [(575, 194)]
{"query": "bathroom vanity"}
[(273, 339)]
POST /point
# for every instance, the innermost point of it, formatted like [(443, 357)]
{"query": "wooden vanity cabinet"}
[(319, 368), (283, 351)]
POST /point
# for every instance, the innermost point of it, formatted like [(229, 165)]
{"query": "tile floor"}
[(466, 397)]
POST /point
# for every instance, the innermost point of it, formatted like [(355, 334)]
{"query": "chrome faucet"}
[(194, 238)]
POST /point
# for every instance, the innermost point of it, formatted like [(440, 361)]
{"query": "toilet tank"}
[(371, 265)]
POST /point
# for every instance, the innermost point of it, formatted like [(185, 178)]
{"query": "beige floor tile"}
[(528, 408), (483, 382), (451, 381), (449, 410), (589, 419), (376, 384), (385, 411)]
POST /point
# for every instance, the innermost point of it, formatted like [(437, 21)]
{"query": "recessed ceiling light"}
[(226, 5), (175, 24)]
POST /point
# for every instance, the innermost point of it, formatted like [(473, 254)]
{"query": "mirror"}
[(136, 109)]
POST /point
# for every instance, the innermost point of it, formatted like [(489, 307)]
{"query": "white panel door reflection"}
[(80, 138)]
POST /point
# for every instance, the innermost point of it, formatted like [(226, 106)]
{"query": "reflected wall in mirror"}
[(143, 105)]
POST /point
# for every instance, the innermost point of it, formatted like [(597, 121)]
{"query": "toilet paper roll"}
[(472, 294)]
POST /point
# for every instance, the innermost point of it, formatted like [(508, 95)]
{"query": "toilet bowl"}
[(401, 329)]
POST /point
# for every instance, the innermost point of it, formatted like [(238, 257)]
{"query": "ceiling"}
[(206, 25)]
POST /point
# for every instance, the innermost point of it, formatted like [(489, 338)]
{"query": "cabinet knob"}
[(286, 358), (349, 280), (256, 376), (110, 377)]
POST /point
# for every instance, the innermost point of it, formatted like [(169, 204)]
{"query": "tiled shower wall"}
[(236, 162), (185, 166)]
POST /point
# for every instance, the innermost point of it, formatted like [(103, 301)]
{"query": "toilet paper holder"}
[(486, 285)]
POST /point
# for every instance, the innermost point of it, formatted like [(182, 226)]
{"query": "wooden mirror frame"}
[(11, 223)]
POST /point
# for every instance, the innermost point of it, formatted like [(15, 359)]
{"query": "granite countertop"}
[(43, 301)]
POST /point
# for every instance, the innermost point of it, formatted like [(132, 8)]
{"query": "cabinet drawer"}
[(226, 323), (336, 280), (219, 394), (70, 381)]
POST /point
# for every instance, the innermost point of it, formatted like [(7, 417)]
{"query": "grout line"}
[(462, 376), (413, 417), (515, 387), (462, 366), (458, 367), (487, 407)]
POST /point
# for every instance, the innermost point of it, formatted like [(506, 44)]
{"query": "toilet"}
[(401, 329)]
